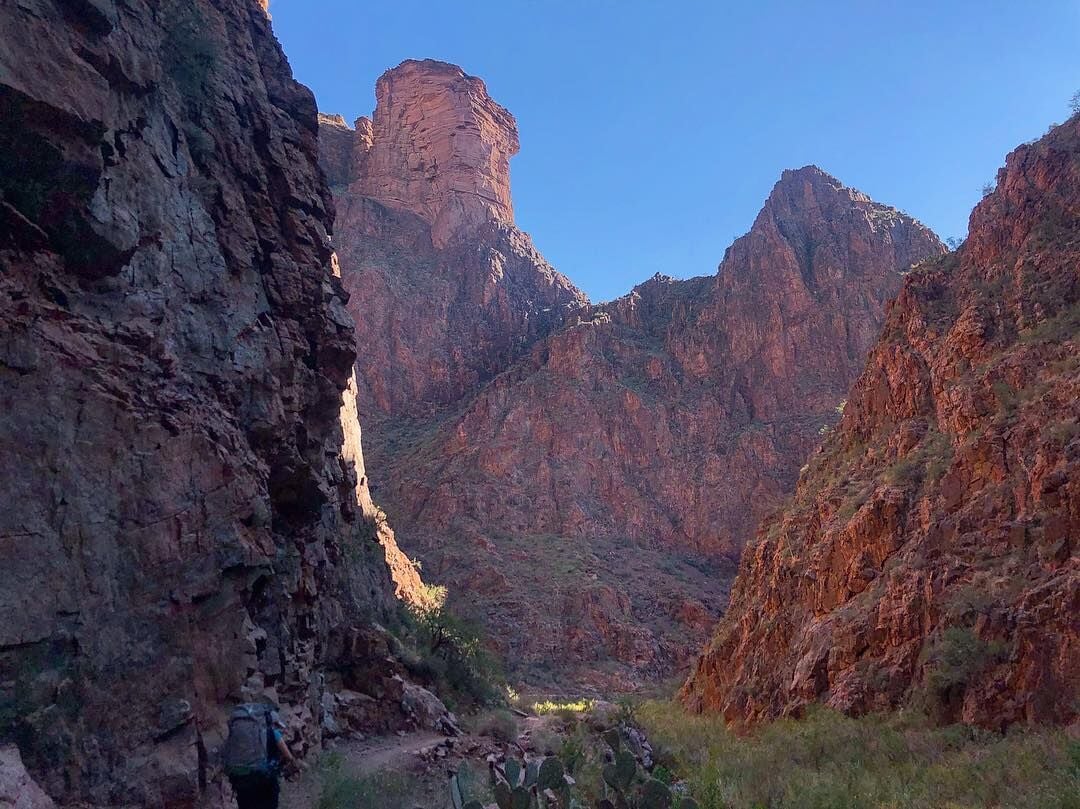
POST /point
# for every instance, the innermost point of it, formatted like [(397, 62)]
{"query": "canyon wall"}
[(582, 477), (930, 555), (184, 524), (446, 292)]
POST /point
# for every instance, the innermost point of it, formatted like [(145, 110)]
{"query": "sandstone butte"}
[(930, 554), (186, 519), (583, 477)]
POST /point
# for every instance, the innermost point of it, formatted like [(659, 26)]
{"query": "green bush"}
[(448, 652), (499, 724), (956, 657)]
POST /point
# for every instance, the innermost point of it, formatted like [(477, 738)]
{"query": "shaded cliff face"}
[(651, 436), (183, 523), (930, 555), (583, 478)]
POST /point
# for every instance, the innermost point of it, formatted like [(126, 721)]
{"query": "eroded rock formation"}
[(526, 441), (930, 556), (446, 292), (183, 523)]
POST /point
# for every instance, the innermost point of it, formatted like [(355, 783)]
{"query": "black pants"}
[(256, 791)]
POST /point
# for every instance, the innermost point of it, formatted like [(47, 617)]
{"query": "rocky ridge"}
[(188, 520), (929, 557), (524, 438)]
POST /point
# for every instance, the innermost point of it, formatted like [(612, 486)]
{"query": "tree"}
[(1074, 102)]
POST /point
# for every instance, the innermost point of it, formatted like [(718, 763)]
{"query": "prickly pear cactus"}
[(655, 795), (532, 772), (613, 740), (620, 774), (551, 774), (514, 772)]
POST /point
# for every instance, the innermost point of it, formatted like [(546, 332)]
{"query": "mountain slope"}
[(930, 553), (615, 472)]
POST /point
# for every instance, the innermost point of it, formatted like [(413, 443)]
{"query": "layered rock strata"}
[(183, 523), (930, 555), (663, 425), (526, 440)]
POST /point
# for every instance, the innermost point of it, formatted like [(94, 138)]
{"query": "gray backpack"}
[(246, 749)]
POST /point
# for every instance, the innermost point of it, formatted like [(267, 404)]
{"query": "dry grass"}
[(830, 761)]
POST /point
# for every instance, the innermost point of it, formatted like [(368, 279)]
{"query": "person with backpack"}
[(254, 754)]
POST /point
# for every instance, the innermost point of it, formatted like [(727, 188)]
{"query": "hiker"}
[(254, 754)]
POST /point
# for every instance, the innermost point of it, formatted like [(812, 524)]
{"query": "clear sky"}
[(651, 132)]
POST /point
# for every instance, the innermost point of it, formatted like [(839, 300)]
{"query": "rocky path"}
[(359, 758)]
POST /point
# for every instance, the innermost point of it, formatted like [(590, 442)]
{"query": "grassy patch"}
[(341, 790), (829, 760)]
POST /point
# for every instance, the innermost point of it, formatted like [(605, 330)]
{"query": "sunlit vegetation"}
[(572, 706)]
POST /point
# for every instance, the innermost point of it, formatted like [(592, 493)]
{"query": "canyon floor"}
[(824, 760)]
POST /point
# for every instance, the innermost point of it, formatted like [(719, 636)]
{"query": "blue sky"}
[(651, 132)]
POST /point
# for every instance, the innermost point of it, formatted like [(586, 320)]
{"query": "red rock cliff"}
[(930, 555), (446, 292), (439, 148), (517, 455), (667, 422), (183, 524)]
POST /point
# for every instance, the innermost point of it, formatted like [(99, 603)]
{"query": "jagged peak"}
[(808, 209)]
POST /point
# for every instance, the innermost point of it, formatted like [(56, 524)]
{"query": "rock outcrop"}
[(446, 292), (183, 522), (17, 788), (930, 555), (438, 147), (526, 440)]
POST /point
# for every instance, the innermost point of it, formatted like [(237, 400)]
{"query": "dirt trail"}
[(396, 753)]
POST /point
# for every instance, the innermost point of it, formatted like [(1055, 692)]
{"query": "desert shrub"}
[(1006, 397), (907, 470), (955, 657), (1064, 325), (567, 709), (1063, 433), (499, 724), (448, 652)]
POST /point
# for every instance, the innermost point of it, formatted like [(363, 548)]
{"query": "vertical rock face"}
[(524, 439), (445, 290), (183, 524), (440, 149), (930, 555)]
